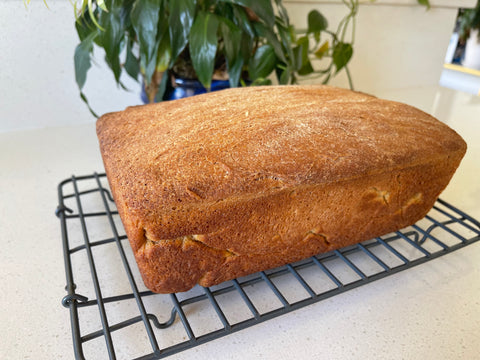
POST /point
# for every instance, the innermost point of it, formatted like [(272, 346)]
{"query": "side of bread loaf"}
[(221, 185)]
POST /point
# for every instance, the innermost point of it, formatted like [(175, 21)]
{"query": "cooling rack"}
[(111, 310)]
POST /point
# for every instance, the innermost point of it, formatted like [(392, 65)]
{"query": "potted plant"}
[(469, 32), (235, 40), (164, 42)]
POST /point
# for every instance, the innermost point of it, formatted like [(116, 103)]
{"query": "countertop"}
[(431, 311)]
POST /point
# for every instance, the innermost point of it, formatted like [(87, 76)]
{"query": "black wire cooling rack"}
[(113, 313)]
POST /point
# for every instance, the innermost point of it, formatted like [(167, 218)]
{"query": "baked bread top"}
[(251, 141)]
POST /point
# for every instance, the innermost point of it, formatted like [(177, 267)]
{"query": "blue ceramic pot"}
[(186, 88)]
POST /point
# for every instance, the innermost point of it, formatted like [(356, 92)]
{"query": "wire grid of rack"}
[(134, 321)]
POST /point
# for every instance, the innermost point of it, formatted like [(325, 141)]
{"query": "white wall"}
[(37, 82), (398, 45)]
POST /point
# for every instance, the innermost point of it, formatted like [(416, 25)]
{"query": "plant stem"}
[(354, 22), (152, 88), (349, 76)]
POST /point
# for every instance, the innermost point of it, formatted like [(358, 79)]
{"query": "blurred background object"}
[(462, 61)]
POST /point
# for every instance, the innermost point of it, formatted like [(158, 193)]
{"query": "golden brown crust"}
[(224, 184)]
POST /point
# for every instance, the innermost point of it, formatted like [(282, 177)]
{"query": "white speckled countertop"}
[(428, 312)]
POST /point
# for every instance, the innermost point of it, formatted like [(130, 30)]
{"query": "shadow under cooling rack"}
[(113, 313)]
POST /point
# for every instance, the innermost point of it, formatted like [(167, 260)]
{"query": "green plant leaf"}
[(203, 46), (261, 82), (101, 5), (466, 23), (132, 66), (322, 50), (232, 37), (342, 53), (262, 8), (284, 78), (263, 62), (246, 47), (301, 52), (90, 10), (283, 13), (272, 39), (285, 34), (112, 37), (85, 100), (302, 61), (235, 71), (316, 22), (289, 30), (180, 20), (82, 63), (425, 3), (164, 55), (162, 87), (84, 26), (144, 17), (306, 69), (81, 59), (240, 19), (164, 52)]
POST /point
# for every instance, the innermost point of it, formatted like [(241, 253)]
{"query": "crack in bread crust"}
[(189, 240)]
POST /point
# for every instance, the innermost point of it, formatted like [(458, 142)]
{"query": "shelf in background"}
[(460, 78)]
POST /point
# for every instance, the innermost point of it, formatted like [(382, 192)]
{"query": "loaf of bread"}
[(225, 184)]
